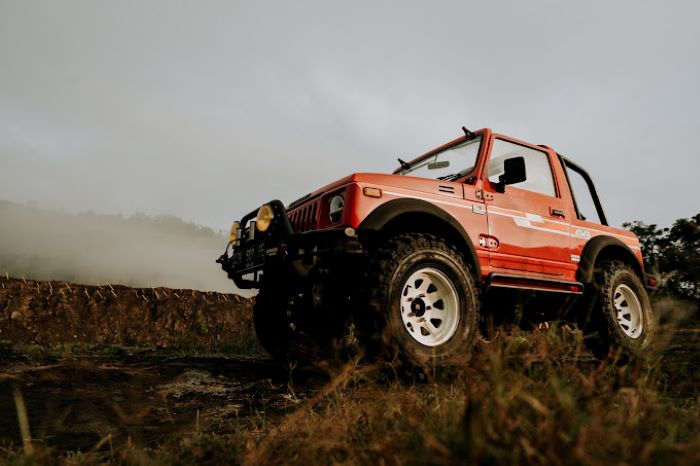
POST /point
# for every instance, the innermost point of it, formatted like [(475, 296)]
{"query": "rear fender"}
[(605, 247)]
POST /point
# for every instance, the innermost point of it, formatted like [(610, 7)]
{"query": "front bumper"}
[(280, 245)]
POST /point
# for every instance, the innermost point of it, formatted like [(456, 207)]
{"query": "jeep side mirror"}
[(513, 172)]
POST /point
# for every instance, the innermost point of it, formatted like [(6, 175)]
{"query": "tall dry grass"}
[(537, 400), (525, 398)]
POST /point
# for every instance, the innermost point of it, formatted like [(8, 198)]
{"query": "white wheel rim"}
[(629, 311), (429, 307)]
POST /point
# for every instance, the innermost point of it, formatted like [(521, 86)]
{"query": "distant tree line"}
[(672, 255)]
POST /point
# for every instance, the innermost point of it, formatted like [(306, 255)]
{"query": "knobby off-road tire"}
[(271, 324), (619, 318), (422, 303), (313, 336)]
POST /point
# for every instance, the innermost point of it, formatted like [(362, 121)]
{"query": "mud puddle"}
[(97, 403)]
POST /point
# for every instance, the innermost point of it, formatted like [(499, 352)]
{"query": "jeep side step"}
[(501, 280)]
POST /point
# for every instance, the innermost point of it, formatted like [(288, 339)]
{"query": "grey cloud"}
[(205, 109)]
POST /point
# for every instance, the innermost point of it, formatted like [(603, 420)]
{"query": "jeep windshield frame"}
[(458, 154)]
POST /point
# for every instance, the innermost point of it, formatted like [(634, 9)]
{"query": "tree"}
[(672, 255)]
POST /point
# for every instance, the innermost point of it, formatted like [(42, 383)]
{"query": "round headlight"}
[(235, 231), (335, 208), (264, 218)]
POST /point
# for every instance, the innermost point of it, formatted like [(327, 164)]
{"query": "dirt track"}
[(82, 397), (113, 364), (73, 404)]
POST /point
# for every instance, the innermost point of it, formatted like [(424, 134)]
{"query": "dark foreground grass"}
[(521, 401), (534, 398)]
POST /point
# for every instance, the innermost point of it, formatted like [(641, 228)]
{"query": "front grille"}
[(304, 218)]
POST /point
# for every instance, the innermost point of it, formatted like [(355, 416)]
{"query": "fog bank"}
[(139, 251)]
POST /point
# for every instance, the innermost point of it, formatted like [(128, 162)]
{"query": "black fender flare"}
[(592, 250), (390, 210)]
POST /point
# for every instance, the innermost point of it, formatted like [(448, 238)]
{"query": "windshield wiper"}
[(455, 176), (451, 177), (404, 165)]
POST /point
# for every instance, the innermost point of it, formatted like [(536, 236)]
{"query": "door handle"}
[(557, 213)]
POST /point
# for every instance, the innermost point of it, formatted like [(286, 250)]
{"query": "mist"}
[(95, 249)]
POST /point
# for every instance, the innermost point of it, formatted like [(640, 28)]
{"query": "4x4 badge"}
[(478, 209)]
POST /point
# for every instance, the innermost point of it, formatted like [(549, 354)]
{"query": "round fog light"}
[(264, 218)]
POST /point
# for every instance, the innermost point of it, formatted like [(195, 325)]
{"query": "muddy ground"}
[(100, 368), (96, 402)]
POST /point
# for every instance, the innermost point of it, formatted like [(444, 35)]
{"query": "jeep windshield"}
[(448, 164)]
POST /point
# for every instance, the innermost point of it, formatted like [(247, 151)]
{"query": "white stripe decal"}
[(558, 222), (528, 216), (503, 214), (523, 222), (466, 205), (534, 217)]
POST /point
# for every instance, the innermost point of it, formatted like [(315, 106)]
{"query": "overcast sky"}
[(205, 109)]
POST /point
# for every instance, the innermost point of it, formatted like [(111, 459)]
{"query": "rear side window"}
[(582, 197), (537, 167)]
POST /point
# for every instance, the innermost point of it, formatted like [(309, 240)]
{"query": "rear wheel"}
[(423, 304), (620, 318)]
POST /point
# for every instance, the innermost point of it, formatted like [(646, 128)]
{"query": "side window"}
[(537, 168), (582, 196)]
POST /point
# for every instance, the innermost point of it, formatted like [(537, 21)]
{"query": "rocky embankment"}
[(50, 313)]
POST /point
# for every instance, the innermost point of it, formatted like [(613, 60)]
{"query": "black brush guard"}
[(280, 245)]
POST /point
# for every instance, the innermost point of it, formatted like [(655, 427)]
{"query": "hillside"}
[(96, 249), (58, 313)]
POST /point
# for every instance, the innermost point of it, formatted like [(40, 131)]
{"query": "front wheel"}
[(299, 323), (271, 324), (423, 304)]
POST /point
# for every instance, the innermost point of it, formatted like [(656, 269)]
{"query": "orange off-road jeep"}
[(483, 230)]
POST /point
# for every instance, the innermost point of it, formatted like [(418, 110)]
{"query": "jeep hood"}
[(379, 180)]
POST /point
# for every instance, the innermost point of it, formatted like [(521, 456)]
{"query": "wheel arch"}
[(605, 248), (416, 215)]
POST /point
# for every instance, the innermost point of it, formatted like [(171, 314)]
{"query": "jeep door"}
[(528, 222)]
